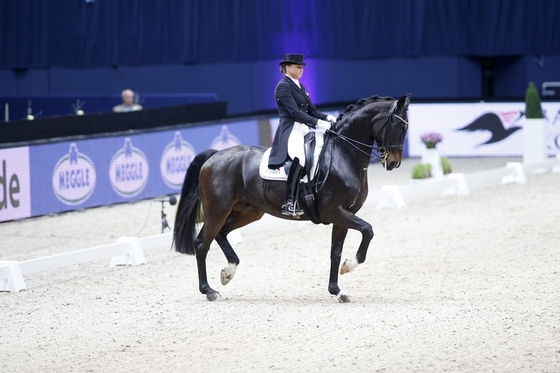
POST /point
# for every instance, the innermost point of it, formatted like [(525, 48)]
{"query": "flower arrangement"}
[(430, 139)]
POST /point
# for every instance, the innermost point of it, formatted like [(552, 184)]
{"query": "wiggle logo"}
[(175, 160), (129, 170), (74, 177)]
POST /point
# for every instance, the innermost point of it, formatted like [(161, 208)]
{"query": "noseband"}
[(383, 148)]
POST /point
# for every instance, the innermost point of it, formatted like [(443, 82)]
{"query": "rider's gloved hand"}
[(323, 125), (331, 118)]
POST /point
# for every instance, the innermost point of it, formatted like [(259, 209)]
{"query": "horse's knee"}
[(367, 232)]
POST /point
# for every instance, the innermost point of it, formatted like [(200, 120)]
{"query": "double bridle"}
[(383, 148)]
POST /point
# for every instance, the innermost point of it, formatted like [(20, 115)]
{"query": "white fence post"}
[(518, 175), (391, 197), (10, 277), (460, 188), (134, 257)]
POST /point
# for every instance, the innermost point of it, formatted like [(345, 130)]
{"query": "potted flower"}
[(431, 139), (534, 128), (431, 155)]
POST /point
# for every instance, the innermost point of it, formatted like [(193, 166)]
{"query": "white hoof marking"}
[(349, 265), (227, 273)]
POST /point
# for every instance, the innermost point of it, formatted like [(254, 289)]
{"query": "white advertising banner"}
[(478, 129), (15, 197)]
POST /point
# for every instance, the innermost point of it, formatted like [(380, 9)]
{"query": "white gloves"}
[(331, 118), (323, 125)]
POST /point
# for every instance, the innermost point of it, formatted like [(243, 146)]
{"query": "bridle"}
[(383, 147)]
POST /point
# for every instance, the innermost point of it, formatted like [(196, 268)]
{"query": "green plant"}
[(422, 171), (533, 109), (445, 165)]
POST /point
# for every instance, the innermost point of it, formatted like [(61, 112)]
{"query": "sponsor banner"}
[(478, 129), (15, 185), (96, 172)]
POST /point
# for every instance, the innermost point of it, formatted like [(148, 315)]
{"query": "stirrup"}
[(290, 208)]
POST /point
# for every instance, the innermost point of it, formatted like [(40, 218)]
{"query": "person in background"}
[(128, 103), (297, 115)]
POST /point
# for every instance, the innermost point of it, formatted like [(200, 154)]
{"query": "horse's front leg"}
[(346, 220), (337, 242), (367, 234)]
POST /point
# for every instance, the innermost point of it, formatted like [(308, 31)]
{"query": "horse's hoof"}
[(212, 297), (225, 277), (348, 266), (342, 298), (344, 269)]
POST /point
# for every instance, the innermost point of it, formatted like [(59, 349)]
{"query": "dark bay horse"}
[(228, 187)]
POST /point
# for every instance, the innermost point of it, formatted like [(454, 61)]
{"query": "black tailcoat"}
[(294, 105)]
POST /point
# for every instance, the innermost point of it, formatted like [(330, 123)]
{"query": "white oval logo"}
[(74, 177), (175, 160), (129, 170), (224, 140)]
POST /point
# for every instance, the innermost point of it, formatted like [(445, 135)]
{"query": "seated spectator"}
[(128, 104)]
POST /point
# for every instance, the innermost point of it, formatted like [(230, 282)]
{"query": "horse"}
[(226, 188)]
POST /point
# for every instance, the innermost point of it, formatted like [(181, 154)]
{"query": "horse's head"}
[(389, 130), (382, 120)]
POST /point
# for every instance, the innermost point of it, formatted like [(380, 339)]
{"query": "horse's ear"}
[(403, 102)]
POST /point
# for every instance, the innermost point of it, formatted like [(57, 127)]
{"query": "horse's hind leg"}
[(201, 254), (233, 260), (234, 221)]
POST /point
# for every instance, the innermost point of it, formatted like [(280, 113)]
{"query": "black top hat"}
[(290, 58)]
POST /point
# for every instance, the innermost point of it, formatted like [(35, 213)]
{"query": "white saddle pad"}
[(279, 173), (271, 174)]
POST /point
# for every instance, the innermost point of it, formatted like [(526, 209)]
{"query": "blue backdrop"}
[(434, 49), (73, 33)]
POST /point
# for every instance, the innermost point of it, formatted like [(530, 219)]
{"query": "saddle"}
[(312, 156), (306, 192)]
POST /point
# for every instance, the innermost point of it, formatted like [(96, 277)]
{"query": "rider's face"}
[(294, 71)]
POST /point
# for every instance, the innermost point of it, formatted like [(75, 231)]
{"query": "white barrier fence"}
[(397, 196), (126, 251), (129, 250)]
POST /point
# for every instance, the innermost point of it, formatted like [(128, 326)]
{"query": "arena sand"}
[(455, 284)]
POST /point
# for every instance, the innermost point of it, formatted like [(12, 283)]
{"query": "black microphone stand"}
[(164, 223)]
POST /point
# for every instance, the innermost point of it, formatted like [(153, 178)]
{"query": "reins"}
[(352, 142)]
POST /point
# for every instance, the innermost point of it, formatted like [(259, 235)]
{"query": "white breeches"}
[(295, 142)]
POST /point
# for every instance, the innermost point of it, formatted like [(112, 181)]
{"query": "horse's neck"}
[(358, 147), (352, 157)]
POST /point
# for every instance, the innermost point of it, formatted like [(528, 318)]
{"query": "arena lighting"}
[(172, 201)]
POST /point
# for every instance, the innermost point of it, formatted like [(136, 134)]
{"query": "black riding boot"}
[(289, 207)]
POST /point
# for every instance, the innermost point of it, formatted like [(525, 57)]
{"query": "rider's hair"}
[(283, 68)]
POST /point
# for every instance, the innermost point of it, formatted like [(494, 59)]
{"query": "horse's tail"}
[(188, 210)]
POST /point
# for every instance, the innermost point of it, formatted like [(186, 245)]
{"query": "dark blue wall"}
[(434, 49), (249, 87)]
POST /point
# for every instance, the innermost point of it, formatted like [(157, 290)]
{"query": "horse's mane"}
[(363, 102)]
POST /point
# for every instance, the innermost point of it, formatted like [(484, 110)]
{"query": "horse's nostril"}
[(392, 164)]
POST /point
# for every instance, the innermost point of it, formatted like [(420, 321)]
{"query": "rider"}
[(297, 115)]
